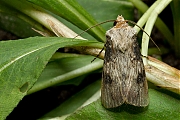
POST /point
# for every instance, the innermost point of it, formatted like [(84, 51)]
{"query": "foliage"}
[(31, 64)]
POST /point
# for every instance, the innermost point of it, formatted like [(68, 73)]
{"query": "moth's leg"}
[(98, 54)]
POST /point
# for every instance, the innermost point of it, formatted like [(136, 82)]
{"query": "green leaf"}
[(66, 68), (162, 106), (75, 101), (73, 12), (103, 10), (22, 62), (176, 23), (12, 20), (24, 10), (77, 15), (16, 26), (62, 63)]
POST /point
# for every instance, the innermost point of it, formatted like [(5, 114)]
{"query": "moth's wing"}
[(123, 71), (111, 89), (137, 93)]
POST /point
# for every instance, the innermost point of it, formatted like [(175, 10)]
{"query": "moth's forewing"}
[(123, 78)]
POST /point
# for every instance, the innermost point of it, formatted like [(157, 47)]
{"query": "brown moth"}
[(123, 77)]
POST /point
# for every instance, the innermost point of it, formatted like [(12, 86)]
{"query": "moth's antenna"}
[(93, 27), (113, 21), (144, 32)]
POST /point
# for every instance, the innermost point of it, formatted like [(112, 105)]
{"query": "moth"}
[(123, 76)]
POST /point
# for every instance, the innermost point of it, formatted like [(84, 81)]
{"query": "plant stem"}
[(160, 6), (159, 23)]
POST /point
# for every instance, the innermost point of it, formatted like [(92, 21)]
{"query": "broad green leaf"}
[(162, 106), (22, 62), (74, 102)]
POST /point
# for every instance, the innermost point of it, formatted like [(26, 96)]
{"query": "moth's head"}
[(120, 18), (119, 21)]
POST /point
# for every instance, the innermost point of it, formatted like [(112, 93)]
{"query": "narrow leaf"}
[(73, 12), (65, 69)]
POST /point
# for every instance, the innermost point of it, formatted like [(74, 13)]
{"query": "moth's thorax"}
[(121, 37)]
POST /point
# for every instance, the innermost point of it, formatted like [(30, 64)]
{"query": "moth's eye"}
[(115, 22), (108, 37)]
